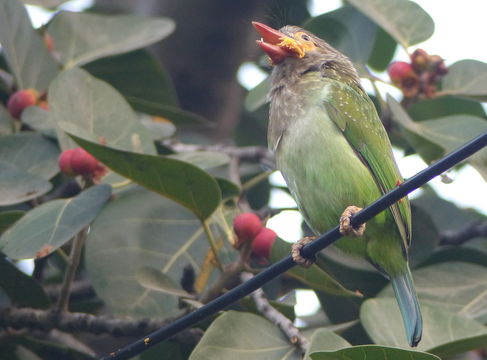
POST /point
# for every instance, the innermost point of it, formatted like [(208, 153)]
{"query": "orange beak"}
[(271, 42)]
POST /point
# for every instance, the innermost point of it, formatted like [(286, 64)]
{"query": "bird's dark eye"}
[(305, 37)]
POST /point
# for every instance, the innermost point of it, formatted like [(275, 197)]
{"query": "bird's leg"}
[(346, 229), (296, 252)]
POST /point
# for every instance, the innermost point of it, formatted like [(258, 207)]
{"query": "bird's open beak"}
[(276, 44)]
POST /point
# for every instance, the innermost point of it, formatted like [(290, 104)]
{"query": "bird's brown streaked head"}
[(290, 41)]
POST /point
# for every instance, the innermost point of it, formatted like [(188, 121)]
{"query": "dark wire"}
[(308, 251)]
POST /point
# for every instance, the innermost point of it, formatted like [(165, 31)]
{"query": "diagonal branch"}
[(276, 317)]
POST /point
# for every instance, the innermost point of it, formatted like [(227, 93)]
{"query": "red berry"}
[(64, 162), (262, 244), (403, 76), (246, 227), (21, 99), (77, 161), (83, 163), (420, 60)]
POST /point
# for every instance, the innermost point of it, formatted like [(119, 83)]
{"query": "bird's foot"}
[(346, 229), (296, 252)]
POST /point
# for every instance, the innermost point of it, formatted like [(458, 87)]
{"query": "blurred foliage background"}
[(150, 89)]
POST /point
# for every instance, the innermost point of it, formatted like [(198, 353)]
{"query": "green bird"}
[(334, 152)]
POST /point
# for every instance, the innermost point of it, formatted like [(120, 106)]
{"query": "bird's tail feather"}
[(408, 304)]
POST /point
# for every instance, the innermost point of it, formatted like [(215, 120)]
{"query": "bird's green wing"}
[(355, 114)]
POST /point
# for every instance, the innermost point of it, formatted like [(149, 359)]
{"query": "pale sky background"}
[(460, 29)]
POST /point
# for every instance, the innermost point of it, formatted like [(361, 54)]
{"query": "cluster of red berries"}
[(22, 99), (249, 229), (77, 161), (420, 76)]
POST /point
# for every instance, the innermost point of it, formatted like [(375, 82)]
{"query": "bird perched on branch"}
[(335, 156)]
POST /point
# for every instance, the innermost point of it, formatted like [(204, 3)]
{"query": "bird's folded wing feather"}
[(354, 113)]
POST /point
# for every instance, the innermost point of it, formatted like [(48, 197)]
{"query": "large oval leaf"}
[(466, 77), (77, 39), (97, 111), (17, 185), (404, 20), (244, 336), (178, 180), (447, 133), (30, 152), (346, 29), (50, 225), (138, 230), (366, 352), (444, 334), (139, 77), (325, 340), (26, 55)]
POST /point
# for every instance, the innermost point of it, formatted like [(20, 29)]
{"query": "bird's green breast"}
[(321, 169)]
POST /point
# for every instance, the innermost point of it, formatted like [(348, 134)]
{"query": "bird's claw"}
[(296, 252), (346, 229)]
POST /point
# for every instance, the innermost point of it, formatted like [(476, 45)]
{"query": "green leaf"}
[(176, 115), (444, 334), (51, 349), (346, 29), (444, 106), (383, 50), (7, 218), (38, 119), (466, 78), (243, 336), (178, 180), (404, 20), (139, 229), (439, 286), (448, 132), (424, 235), (12, 352), (17, 185), (365, 352), (139, 77), (202, 159), (229, 189), (6, 121), (325, 340), (93, 109), (30, 152), (159, 128), (314, 277), (23, 290), (50, 225), (256, 97), (25, 52), (77, 39), (154, 279)]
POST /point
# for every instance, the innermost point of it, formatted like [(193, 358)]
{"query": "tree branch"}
[(33, 319), (245, 153), (266, 309), (459, 236)]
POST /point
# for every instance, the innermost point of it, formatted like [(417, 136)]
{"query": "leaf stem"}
[(74, 259), (212, 242), (255, 180)]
